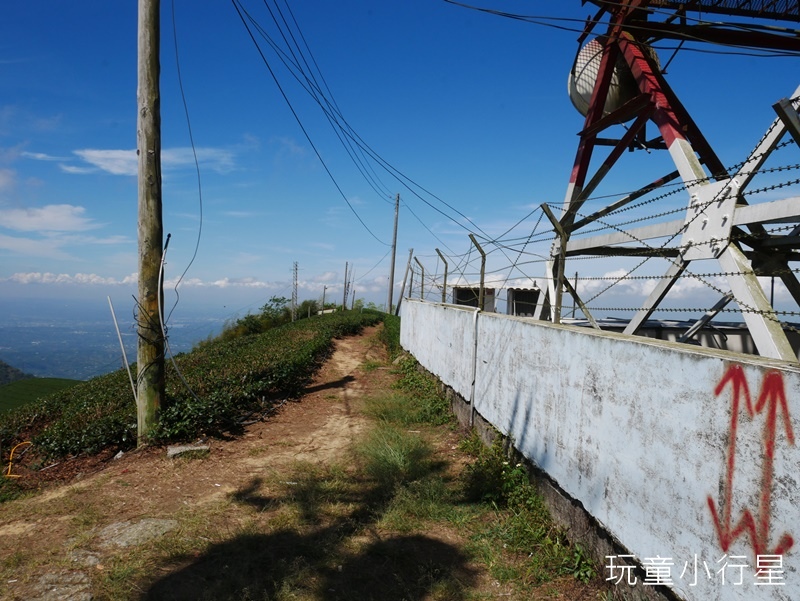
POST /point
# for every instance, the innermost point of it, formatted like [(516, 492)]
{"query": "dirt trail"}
[(50, 543), (280, 512)]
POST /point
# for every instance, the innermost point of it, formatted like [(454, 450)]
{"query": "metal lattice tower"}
[(719, 225)]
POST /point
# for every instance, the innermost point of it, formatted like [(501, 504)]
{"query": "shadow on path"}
[(340, 383), (318, 561), (397, 568)]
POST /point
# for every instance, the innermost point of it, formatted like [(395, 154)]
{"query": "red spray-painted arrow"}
[(773, 397)]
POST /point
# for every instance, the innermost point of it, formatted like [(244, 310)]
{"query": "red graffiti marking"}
[(773, 398)]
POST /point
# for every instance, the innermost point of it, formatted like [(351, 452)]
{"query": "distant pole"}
[(150, 351), (294, 291), (344, 296), (394, 249), (324, 288), (351, 287), (405, 277)]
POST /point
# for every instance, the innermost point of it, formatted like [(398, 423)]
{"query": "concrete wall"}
[(685, 456)]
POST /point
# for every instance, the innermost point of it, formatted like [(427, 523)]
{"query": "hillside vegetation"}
[(10, 374), (221, 383), (26, 391)]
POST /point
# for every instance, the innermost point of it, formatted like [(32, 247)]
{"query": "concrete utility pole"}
[(150, 354), (394, 249), (324, 288), (405, 277)]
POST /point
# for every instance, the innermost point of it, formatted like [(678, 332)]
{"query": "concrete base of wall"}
[(578, 524)]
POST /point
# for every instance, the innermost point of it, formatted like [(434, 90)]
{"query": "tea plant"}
[(226, 378)]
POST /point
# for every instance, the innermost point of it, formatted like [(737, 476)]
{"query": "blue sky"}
[(470, 107)]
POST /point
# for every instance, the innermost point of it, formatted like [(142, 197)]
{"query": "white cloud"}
[(243, 282), (8, 178), (240, 214), (84, 279), (50, 218), (92, 279), (48, 249), (125, 162), (328, 276), (290, 146), (217, 159), (40, 156), (116, 162), (76, 170)]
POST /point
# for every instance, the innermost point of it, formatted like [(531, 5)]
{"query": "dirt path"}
[(51, 543), (280, 512)]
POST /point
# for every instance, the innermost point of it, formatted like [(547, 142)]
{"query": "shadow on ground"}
[(397, 568), (318, 561)]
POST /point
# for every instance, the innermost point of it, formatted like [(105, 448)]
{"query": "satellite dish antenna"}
[(583, 76)]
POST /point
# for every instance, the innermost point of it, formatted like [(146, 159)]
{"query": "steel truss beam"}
[(783, 10), (716, 209)]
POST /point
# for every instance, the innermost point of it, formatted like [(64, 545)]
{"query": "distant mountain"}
[(10, 374)]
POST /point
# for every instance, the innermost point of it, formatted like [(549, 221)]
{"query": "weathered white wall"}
[(639, 432)]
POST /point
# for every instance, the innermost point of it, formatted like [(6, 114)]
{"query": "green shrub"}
[(390, 335), (525, 526), (431, 406)]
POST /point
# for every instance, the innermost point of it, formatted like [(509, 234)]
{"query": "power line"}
[(239, 11)]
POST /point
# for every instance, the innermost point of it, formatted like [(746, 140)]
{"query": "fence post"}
[(483, 270), (444, 286), (421, 279)]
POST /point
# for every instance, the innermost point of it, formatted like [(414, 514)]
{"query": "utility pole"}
[(405, 277), (324, 288), (294, 292), (394, 249), (344, 296), (150, 350)]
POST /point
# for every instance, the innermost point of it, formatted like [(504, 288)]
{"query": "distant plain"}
[(57, 339)]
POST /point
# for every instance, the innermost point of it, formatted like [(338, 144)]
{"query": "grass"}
[(415, 400), (393, 457), (492, 499)]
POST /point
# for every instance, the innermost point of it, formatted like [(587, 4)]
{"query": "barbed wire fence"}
[(608, 280)]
